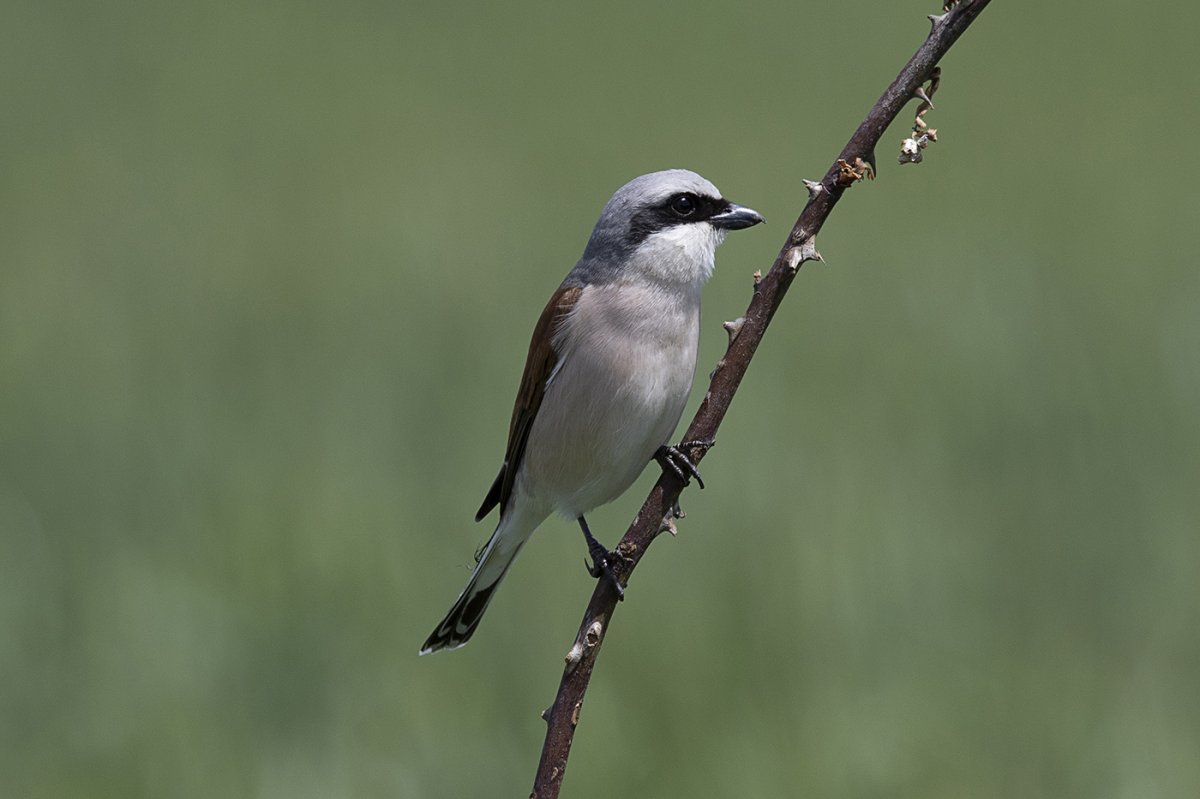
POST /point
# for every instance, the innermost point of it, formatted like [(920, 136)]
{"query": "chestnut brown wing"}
[(539, 366)]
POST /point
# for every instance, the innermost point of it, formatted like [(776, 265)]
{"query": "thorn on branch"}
[(814, 188), (676, 512), (806, 251), (734, 327), (757, 277)]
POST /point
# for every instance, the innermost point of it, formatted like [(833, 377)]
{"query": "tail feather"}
[(498, 554), (460, 623)]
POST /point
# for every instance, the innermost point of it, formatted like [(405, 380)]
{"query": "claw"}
[(675, 459), (601, 568), (601, 565)]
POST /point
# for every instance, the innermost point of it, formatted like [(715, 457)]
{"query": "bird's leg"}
[(601, 564), (675, 460)]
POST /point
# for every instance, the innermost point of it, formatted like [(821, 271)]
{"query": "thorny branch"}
[(657, 514)]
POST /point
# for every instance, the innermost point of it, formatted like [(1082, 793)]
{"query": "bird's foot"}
[(601, 568), (602, 560), (674, 459)]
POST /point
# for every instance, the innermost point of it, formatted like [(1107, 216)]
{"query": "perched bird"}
[(609, 371)]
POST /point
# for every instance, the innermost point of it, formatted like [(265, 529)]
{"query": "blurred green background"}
[(267, 275)]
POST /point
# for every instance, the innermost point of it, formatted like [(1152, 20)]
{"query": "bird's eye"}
[(683, 205)]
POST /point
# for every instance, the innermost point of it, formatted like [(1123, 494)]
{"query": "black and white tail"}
[(460, 623)]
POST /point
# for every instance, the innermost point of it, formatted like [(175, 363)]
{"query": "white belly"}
[(627, 359)]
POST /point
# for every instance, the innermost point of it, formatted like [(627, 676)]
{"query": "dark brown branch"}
[(656, 514)]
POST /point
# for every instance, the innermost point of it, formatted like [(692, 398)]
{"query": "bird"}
[(610, 367)]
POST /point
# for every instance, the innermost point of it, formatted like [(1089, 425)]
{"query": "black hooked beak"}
[(736, 217)]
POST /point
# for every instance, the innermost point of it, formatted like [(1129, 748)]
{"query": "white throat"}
[(680, 255)]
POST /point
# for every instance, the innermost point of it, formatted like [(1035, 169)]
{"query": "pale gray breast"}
[(627, 358)]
